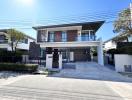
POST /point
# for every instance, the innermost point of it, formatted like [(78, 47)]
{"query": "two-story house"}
[(72, 40), (5, 42)]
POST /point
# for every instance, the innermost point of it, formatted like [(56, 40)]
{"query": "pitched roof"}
[(118, 35), (5, 31)]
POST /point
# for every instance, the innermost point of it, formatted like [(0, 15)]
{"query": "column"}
[(79, 35), (100, 53), (47, 32)]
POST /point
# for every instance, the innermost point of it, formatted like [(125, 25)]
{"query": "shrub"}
[(11, 57), (18, 67), (112, 51), (121, 50), (125, 50)]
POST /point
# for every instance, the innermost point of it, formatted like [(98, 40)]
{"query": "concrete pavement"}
[(87, 82)]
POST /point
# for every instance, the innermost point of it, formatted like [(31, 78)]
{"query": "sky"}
[(23, 14)]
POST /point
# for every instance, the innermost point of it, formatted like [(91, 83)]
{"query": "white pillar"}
[(100, 53), (60, 61), (49, 60), (79, 35), (131, 11), (47, 32)]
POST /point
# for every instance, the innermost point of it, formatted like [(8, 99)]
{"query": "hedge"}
[(11, 56), (18, 67), (121, 50)]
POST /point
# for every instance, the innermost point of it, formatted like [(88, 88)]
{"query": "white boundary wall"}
[(121, 60), (49, 60)]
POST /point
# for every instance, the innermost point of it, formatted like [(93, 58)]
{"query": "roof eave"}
[(65, 25)]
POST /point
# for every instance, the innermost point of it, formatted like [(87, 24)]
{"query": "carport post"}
[(100, 53)]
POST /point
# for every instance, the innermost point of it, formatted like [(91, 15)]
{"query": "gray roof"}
[(5, 31), (97, 25), (118, 35)]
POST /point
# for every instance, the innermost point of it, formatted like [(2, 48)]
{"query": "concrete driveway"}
[(91, 70), (89, 81)]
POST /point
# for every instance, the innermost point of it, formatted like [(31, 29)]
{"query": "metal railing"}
[(72, 39), (3, 41), (86, 38)]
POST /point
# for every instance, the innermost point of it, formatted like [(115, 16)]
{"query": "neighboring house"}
[(73, 41), (109, 44), (5, 42), (118, 41), (112, 43)]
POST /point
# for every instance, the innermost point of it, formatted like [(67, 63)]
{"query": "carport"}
[(97, 44)]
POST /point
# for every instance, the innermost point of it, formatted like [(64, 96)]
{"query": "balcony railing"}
[(86, 38), (3, 41), (75, 39)]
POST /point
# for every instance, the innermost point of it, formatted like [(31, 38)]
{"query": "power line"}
[(95, 15), (59, 20)]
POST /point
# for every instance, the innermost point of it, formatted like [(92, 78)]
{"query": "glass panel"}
[(51, 36), (2, 38), (64, 36)]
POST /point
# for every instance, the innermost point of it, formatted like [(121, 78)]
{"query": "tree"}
[(123, 24), (15, 37)]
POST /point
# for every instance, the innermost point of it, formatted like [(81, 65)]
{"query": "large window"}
[(64, 36), (42, 36), (2, 38), (92, 35), (88, 35), (51, 37)]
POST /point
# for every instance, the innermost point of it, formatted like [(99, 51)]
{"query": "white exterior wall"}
[(24, 45), (49, 61), (121, 60), (109, 45)]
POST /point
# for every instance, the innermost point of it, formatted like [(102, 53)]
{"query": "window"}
[(64, 36), (24, 41), (92, 35), (2, 38), (51, 36)]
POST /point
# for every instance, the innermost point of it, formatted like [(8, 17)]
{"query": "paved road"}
[(76, 84)]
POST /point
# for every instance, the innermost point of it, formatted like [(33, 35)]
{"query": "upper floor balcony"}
[(66, 36), (72, 39)]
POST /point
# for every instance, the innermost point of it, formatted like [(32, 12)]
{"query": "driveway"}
[(91, 70), (89, 81)]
